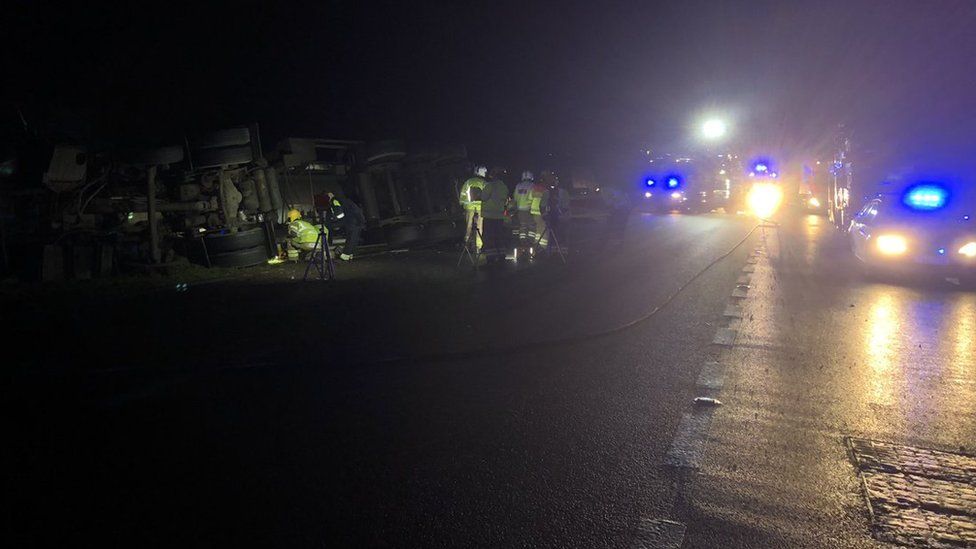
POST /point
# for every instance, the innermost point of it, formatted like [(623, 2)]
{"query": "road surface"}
[(548, 406)]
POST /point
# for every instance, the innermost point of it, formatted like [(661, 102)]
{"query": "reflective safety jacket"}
[(471, 193), (538, 192), (336, 210), (523, 196), (493, 198), (302, 234)]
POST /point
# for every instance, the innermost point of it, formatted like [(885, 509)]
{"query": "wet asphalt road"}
[(433, 412)]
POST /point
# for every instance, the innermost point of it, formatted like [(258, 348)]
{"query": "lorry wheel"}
[(438, 232), (208, 158), (241, 258), (384, 151), (399, 236), (222, 138), (231, 242), (156, 157)]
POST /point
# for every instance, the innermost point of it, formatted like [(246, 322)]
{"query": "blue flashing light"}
[(761, 168), (650, 182), (965, 218), (673, 182), (926, 197)]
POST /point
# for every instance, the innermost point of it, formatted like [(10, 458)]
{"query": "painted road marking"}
[(725, 337), (659, 534), (733, 311), (688, 446), (712, 376)]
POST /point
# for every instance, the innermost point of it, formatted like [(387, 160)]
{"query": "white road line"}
[(712, 376), (688, 446), (725, 337), (659, 534), (732, 311)]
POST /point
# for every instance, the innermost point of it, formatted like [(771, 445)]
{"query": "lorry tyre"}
[(384, 151), (399, 236), (231, 242), (441, 231), (241, 258), (208, 158), (232, 137), (156, 157)]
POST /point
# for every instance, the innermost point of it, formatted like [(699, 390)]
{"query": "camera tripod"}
[(555, 241), (474, 234), (321, 257)]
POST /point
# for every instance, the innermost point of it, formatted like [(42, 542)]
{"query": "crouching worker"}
[(302, 234)]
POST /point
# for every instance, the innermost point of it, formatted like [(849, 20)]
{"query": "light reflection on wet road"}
[(824, 353)]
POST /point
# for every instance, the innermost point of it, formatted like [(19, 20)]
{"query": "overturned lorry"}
[(216, 199), (409, 195)]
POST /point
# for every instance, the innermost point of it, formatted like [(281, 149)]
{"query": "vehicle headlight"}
[(764, 199), (648, 194), (813, 202), (676, 195), (969, 250), (892, 244)]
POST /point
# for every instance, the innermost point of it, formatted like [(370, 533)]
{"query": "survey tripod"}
[(552, 236), (321, 257), (474, 235)]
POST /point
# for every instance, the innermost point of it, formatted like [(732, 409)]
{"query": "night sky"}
[(514, 81)]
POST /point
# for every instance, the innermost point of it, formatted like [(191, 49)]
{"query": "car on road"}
[(922, 229)]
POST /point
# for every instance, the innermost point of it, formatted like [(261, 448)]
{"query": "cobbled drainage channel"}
[(916, 496)]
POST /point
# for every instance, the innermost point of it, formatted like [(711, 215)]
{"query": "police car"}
[(666, 194), (924, 228)]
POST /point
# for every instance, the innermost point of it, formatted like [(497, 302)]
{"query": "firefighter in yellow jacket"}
[(470, 200)]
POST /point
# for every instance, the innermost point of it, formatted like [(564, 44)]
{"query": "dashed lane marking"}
[(659, 534), (732, 311), (688, 447), (712, 376), (724, 337)]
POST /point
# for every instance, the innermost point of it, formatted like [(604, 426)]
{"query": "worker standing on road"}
[(470, 200), (493, 200), (523, 210), (350, 216), (539, 189)]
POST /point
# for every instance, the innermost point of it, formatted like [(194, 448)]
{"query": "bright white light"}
[(892, 244), (648, 194), (713, 128), (814, 203), (764, 199), (969, 250), (676, 195)]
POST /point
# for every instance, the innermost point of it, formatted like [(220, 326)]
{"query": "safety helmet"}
[(527, 176), (294, 215), (480, 171)]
